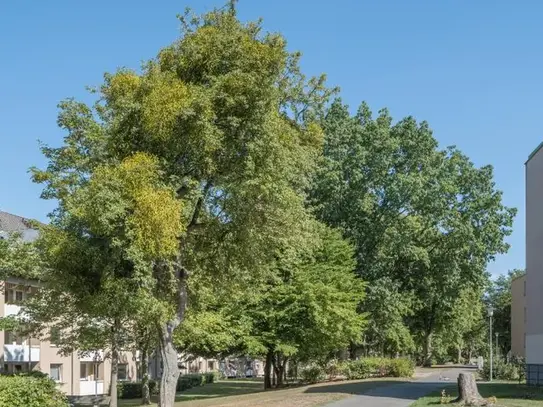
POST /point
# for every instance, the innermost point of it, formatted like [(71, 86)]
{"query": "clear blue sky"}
[(472, 69)]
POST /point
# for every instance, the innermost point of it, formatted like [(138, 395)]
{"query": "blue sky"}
[(473, 70)]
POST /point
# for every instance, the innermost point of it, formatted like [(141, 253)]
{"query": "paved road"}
[(401, 395)]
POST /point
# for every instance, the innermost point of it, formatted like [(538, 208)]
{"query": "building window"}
[(54, 336), (211, 365), (18, 296), (56, 372), (122, 371), (525, 315), (525, 288), (199, 367), (83, 373), (18, 368)]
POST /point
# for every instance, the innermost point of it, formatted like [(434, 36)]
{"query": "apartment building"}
[(534, 267), (518, 316), (76, 374)]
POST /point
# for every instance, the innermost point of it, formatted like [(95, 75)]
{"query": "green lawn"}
[(249, 393), (509, 394)]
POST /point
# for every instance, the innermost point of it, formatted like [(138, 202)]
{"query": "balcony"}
[(20, 353), (90, 387), (11, 309)]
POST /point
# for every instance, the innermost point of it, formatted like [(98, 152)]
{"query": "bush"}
[(134, 390), (210, 377), (312, 374), (30, 391), (189, 381), (401, 368), (377, 367), (503, 371)]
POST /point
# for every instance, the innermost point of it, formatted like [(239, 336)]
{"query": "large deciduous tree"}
[(307, 309), (229, 123), (426, 218)]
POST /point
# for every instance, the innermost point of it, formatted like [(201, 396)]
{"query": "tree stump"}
[(468, 393)]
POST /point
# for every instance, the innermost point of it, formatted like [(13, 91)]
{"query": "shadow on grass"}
[(347, 387), (232, 387)]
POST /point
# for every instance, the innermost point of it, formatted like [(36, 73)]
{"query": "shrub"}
[(189, 381), (377, 367), (401, 368), (30, 391), (312, 374), (134, 390), (503, 371), (129, 390), (210, 377)]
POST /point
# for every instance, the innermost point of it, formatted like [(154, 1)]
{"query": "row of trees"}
[(220, 202)]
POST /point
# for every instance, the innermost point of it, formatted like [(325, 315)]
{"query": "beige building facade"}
[(518, 316), (534, 267)]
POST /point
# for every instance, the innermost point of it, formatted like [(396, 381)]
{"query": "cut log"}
[(468, 393)]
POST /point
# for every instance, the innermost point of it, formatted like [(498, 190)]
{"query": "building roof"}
[(536, 150), (16, 224)]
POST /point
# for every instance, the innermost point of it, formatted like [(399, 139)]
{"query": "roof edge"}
[(534, 152)]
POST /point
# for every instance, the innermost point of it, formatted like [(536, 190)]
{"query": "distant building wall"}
[(518, 316)]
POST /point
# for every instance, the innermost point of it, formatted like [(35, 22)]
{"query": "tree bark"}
[(459, 359), (267, 370), (168, 352), (145, 394), (114, 371), (468, 394), (427, 350), (170, 370)]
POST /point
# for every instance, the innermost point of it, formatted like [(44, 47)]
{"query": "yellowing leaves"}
[(127, 203), (162, 104), (156, 222)]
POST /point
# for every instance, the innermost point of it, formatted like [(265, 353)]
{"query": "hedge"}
[(30, 391), (359, 369), (189, 381), (377, 367), (134, 390)]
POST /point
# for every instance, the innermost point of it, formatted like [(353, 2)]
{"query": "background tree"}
[(307, 309), (499, 296), (231, 123), (425, 218)]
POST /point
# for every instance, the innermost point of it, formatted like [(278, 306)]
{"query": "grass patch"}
[(250, 393), (509, 394)]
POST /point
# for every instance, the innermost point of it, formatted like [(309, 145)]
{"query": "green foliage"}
[(197, 165), (425, 219), (499, 296), (378, 367), (312, 374), (30, 391), (502, 370), (133, 390), (189, 381), (307, 309)]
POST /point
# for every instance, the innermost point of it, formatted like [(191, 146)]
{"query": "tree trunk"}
[(267, 370), (468, 394), (145, 394), (170, 370), (427, 350), (114, 370), (459, 359), (168, 353)]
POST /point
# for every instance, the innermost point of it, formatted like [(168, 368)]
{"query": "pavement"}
[(403, 394)]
